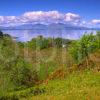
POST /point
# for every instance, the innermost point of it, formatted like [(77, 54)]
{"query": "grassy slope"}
[(77, 86), (83, 85)]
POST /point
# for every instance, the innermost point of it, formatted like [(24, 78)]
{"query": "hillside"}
[(50, 68), (83, 85)]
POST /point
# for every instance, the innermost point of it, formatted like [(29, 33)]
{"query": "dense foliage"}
[(86, 45), (42, 43), (15, 72)]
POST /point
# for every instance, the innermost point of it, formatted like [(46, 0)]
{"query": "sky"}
[(76, 12)]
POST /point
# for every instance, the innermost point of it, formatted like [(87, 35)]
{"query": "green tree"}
[(58, 42), (41, 42), (81, 49)]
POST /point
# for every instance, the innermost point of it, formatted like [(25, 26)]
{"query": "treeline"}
[(42, 43), (79, 49)]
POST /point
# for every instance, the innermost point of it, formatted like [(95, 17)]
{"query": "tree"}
[(41, 42), (58, 42), (1, 34), (81, 49)]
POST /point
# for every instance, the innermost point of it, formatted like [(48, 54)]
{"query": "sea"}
[(27, 35)]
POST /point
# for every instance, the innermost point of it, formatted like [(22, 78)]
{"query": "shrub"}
[(83, 47), (9, 97), (23, 74)]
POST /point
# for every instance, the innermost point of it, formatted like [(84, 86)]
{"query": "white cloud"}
[(95, 21), (40, 17), (51, 17), (72, 17), (48, 17), (1, 19), (43, 15)]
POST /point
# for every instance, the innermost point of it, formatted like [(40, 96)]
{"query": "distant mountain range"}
[(44, 27)]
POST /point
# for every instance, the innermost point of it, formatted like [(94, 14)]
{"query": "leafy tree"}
[(41, 43), (83, 47), (58, 42), (1, 34), (98, 39), (32, 44)]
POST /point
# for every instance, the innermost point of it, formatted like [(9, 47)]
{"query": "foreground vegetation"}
[(77, 86), (50, 68), (82, 85)]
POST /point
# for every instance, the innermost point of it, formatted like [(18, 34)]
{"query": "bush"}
[(23, 74), (9, 97), (84, 46)]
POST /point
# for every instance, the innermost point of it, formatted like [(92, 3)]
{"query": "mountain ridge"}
[(44, 27)]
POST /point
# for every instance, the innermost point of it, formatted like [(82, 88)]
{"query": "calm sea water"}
[(27, 35)]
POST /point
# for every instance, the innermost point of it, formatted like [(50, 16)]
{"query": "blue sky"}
[(88, 10)]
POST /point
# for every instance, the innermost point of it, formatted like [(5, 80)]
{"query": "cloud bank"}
[(95, 21), (42, 17)]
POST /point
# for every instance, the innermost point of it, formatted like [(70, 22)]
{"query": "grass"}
[(51, 59), (77, 86), (83, 85)]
